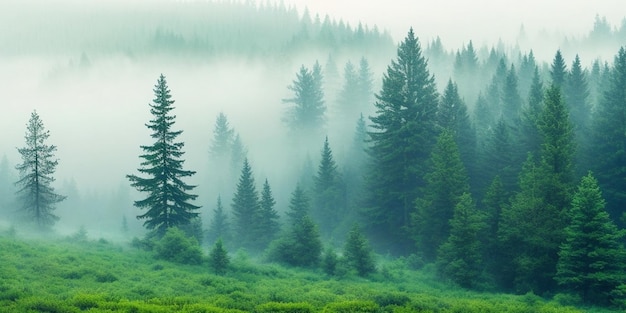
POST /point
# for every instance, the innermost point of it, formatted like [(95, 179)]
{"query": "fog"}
[(92, 93)]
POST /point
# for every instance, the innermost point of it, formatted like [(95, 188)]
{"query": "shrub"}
[(105, 277), (395, 298), (272, 307), (329, 262), (355, 306), (176, 247)]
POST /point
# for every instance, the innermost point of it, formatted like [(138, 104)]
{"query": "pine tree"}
[(35, 192), (268, 225), (577, 100), (494, 202), (219, 227), (511, 100), (558, 70), (299, 205), (329, 199), (349, 107), (499, 158), (592, 259), (460, 257), (357, 252), (307, 115), (366, 86), (530, 137), (223, 136), (168, 202), (446, 182), (403, 134), (608, 137), (218, 258), (238, 154), (246, 209)]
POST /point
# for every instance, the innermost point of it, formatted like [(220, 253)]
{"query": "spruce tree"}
[(168, 201), (460, 257), (329, 199), (608, 148), (558, 70), (218, 258), (366, 85), (511, 100), (403, 134), (246, 209), (446, 182), (299, 205), (530, 137), (219, 227), (495, 201), (268, 225), (307, 113), (576, 93), (349, 107), (223, 136), (592, 259), (36, 196), (357, 252)]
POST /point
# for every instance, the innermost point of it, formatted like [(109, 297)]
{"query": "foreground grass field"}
[(98, 276)]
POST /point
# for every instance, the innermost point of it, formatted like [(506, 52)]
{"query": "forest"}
[(295, 163)]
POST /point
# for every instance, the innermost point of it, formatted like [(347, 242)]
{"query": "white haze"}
[(96, 115)]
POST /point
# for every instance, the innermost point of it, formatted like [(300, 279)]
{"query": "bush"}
[(272, 307), (395, 298), (355, 306), (176, 247), (105, 277)]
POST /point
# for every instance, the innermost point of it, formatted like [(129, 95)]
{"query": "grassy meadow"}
[(74, 274)]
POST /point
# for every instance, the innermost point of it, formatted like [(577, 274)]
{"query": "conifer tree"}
[(299, 205), (460, 257), (530, 137), (36, 196), (576, 93), (349, 107), (238, 154), (307, 113), (219, 227), (446, 182), (592, 259), (608, 138), (357, 252), (168, 203), (366, 85), (246, 209), (223, 136), (218, 258), (558, 70), (511, 100), (499, 157), (494, 202), (329, 199), (403, 134), (268, 225)]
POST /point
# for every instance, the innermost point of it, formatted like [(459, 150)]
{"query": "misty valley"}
[(242, 156)]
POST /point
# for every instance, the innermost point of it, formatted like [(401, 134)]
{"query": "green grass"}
[(98, 276)]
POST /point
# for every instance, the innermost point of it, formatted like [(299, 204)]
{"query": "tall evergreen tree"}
[(168, 202), (219, 227), (348, 101), (558, 70), (495, 200), (592, 259), (329, 197), (608, 137), (498, 157), (446, 182), (223, 136), (268, 225), (366, 85), (460, 257), (35, 192), (402, 136), (299, 205), (307, 113), (218, 258), (530, 139), (511, 100), (246, 209)]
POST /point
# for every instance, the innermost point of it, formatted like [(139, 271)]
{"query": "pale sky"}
[(458, 21)]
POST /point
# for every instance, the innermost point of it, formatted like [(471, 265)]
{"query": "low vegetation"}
[(65, 275)]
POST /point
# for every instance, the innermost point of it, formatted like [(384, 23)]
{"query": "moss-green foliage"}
[(175, 246), (62, 276), (218, 258)]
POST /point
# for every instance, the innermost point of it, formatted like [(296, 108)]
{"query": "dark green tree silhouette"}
[(460, 257), (403, 133), (329, 196), (357, 252), (511, 100), (218, 258), (446, 182), (219, 226), (349, 95), (558, 70), (530, 138), (268, 225), (223, 136), (576, 93), (608, 139), (36, 196), (168, 201), (366, 85), (592, 259), (299, 205), (246, 210)]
